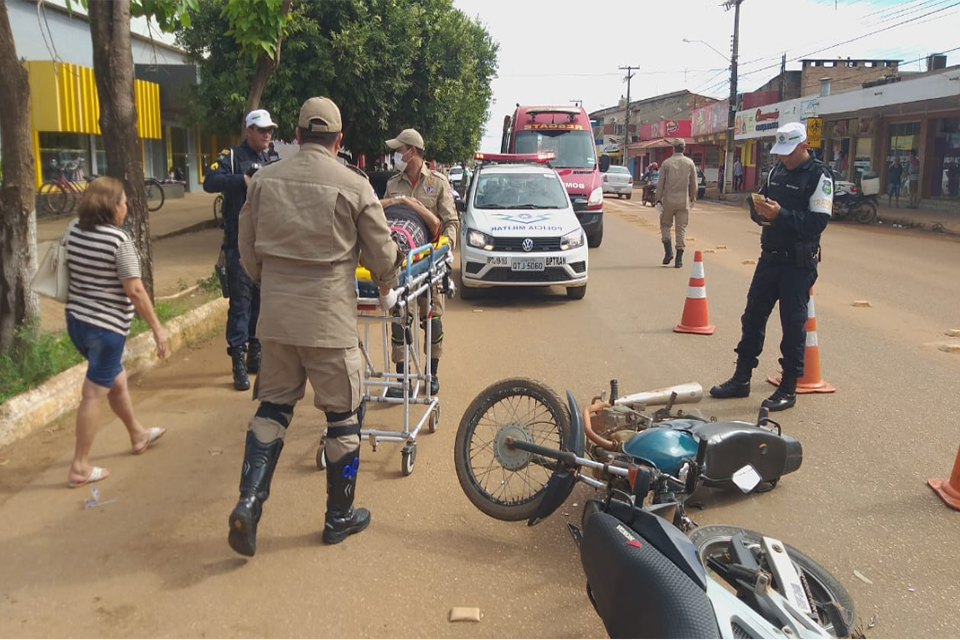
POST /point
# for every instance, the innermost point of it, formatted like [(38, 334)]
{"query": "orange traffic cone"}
[(810, 382), (695, 317), (949, 489)]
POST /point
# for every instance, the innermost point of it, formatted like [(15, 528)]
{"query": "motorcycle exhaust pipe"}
[(688, 393)]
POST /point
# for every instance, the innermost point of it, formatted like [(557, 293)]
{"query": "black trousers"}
[(788, 284)]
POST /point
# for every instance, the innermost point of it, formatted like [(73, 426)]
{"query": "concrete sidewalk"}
[(192, 212), (925, 219), (179, 260)]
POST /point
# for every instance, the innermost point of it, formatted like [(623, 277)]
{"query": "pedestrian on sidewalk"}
[(105, 289), (737, 175), (677, 195), (720, 177), (308, 329), (230, 175), (894, 179), (796, 204), (913, 175), (432, 189)]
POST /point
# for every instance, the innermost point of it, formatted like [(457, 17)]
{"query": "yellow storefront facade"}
[(65, 120)]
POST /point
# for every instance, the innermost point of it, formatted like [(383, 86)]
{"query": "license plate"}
[(498, 261), (556, 261), (527, 264)]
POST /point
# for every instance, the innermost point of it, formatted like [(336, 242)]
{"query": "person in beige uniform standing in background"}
[(432, 189), (302, 228), (676, 195)]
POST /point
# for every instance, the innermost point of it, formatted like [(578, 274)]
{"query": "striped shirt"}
[(98, 261)]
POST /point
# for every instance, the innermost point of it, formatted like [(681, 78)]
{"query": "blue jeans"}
[(244, 302), (102, 349)]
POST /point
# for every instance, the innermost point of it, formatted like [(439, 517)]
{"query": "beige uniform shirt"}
[(678, 182), (433, 191), (302, 228)]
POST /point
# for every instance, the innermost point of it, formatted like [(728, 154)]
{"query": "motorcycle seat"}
[(637, 591)]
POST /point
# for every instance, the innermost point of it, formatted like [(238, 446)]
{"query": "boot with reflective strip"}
[(696, 318), (810, 381)]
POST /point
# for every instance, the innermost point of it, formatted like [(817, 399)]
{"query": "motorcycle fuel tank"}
[(664, 446)]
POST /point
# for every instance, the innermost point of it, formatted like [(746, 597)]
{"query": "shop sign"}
[(764, 121), (710, 119), (665, 128), (814, 132)]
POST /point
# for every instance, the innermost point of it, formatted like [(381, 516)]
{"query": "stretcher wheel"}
[(321, 457), (408, 458), (434, 421)]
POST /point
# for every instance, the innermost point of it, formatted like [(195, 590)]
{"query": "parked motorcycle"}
[(519, 454), (859, 204)]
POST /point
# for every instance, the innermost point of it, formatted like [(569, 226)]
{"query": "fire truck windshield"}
[(573, 149)]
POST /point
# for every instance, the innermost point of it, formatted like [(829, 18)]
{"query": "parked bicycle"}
[(61, 196)]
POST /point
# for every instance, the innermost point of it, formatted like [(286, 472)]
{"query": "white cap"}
[(788, 137), (260, 118)]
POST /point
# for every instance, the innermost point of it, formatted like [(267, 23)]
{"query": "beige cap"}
[(408, 137), (320, 115)]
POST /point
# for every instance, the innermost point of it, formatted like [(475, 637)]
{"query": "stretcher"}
[(425, 272)]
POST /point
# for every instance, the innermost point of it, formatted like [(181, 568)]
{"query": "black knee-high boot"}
[(342, 519), (259, 462)]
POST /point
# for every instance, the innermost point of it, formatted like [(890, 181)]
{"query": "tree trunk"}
[(265, 68), (18, 216), (113, 68)]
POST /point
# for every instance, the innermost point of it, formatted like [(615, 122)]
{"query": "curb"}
[(34, 409)]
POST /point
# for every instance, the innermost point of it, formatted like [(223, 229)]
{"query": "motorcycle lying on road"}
[(645, 578)]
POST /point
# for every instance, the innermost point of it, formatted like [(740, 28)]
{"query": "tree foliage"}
[(388, 64)]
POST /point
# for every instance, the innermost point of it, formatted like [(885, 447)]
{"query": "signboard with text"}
[(763, 122), (665, 129), (815, 132)]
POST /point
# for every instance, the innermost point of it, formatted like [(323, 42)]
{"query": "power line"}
[(860, 37)]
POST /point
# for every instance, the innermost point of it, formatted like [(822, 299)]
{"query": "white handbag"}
[(52, 278)]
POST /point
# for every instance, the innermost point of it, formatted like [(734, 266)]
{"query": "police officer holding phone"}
[(793, 209), (230, 175)]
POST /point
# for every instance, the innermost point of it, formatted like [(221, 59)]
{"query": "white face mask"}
[(398, 161)]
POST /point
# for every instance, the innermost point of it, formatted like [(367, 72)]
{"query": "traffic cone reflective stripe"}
[(949, 489), (696, 318), (811, 381)]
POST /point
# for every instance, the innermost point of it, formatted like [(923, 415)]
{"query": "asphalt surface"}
[(155, 562)]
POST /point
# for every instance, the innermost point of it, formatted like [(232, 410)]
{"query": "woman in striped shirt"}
[(105, 289)]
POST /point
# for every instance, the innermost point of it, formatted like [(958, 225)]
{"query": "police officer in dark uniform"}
[(793, 208), (230, 175)]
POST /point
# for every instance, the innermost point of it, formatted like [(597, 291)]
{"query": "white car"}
[(519, 230), (617, 180)]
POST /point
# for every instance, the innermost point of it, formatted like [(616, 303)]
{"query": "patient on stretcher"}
[(411, 224)]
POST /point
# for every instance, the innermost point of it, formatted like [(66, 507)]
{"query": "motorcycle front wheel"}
[(712, 544), (501, 481)]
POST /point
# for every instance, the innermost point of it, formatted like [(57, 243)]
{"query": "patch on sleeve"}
[(821, 201), (214, 166)]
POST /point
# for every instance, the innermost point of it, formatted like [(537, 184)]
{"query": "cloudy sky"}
[(552, 56)]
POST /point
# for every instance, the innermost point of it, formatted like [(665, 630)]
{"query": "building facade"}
[(56, 47)]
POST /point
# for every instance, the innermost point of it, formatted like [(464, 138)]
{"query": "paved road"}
[(156, 562)]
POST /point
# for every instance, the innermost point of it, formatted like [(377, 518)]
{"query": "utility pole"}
[(783, 74), (731, 118), (626, 126)]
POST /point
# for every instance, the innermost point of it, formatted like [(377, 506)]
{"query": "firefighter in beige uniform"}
[(432, 189), (676, 194), (302, 228)]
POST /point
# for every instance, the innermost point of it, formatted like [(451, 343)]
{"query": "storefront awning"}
[(659, 143)]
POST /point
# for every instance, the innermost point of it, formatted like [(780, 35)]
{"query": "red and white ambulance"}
[(564, 131)]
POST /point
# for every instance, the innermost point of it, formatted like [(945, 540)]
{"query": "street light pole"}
[(731, 116), (626, 126)]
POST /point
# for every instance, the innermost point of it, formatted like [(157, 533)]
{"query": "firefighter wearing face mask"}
[(432, 189)]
